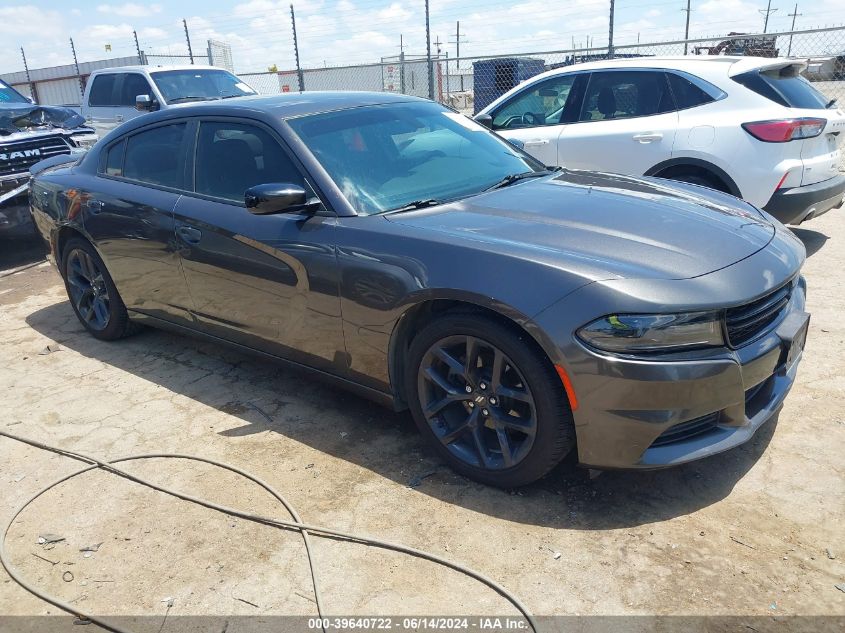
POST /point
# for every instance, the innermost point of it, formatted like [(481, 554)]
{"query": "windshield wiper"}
[(831, 103), (512, 178), (416, 204), (191, 98)]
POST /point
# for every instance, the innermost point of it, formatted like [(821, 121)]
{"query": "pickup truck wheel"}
[(488, 400), (92, 292)]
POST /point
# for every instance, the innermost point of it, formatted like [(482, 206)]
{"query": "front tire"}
[(488, 400), (92, 293)]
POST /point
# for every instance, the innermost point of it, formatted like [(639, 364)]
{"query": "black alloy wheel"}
[(92, 293), (489, 400)]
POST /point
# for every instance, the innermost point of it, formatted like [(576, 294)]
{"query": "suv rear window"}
[(785, 87)]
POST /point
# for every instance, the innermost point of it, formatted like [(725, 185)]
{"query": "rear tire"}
[(502, 418), (699, 178), (92, 293)]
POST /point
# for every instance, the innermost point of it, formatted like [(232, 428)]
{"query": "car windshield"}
[(10, 95), (199, 85), (387, 157)]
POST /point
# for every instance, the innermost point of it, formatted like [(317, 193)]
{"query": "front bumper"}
[(798, 204), (652, 414), (15, 218)]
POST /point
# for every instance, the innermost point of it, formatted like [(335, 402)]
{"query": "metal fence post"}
[(188, 39), (78, 74), (428, 54), (299, 75), (33, 93), (138, 47)]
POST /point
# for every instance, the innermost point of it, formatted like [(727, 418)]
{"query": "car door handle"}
[(189, 234), (536, 142), (648, 137), (95, 206)]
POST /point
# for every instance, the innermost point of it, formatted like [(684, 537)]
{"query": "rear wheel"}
[(92, 292), (488, 400), (697, 178)]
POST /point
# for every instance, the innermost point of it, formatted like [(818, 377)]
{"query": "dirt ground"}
[(755, 531)]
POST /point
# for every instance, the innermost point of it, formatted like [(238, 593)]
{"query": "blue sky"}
[(335, 32)]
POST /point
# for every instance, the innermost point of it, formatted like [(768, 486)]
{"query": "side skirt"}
[(384, 399)]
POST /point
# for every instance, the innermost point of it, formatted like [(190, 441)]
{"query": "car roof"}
[(284, 106), (700, 63), (152, 69)]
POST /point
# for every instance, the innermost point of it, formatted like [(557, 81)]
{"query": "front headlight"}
[(85, 142), (632, 333)]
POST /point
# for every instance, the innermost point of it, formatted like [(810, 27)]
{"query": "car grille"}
[(18, 157), (746, 322), (686, 430)]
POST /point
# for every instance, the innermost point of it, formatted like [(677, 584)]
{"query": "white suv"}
[(749, 126)]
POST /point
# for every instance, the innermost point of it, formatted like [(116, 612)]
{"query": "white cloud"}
[(130, 9)]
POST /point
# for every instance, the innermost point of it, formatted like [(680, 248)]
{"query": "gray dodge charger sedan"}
[(401, 249)]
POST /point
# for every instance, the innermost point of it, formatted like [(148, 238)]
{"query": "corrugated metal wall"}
[(59, 85)]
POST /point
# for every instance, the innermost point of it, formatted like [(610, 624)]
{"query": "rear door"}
[(129, 213), (536, 116), (265, 281), (626, 124)]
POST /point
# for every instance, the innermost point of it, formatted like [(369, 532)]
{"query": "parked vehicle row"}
[(407, 252), (751, 127), (28, 134)]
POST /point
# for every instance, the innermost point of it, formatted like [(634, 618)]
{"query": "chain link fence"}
[(470, 83)]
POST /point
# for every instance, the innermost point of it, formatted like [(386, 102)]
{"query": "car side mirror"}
[(485, 119), (145, 103), (278, 198)]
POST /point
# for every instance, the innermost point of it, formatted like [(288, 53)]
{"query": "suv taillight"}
[(784, 130)]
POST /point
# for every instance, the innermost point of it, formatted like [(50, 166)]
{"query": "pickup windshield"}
[(199, 85), (10, 95), (409, 155)]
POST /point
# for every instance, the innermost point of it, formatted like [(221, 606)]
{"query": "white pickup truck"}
[(115, 95)]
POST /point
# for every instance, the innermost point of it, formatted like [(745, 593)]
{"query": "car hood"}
[(18, 117), (608, 225)]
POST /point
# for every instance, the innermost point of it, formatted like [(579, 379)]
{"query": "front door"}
[(265, 281), (536, 116)]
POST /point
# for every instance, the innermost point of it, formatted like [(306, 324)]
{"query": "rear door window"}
[(102, 91), (114, 159), (232, 157), (690, 91), (784, 86), (155, 156), (626, 94)]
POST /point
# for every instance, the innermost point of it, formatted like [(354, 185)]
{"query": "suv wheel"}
[(488, 400)]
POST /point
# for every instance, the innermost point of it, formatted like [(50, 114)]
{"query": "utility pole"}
[(610, 35), (457, 44), (428, 53), (793, 15), (686, 29), (766, 12), (138, 47), (300, 77), (32, 92), (78, 74), (188, 39)]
